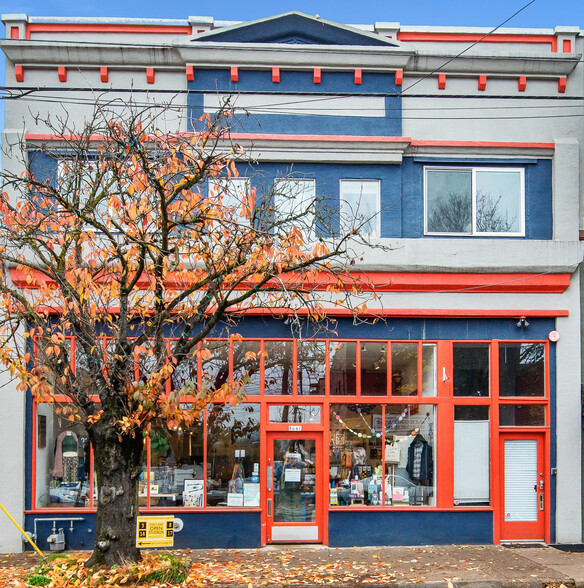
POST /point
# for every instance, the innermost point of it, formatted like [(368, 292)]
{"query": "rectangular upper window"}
[(360, 206), (233, 193), (474, 201)]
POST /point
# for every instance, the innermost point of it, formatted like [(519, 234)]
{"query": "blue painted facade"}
[(333, 84), (410, 528), (402, 188)]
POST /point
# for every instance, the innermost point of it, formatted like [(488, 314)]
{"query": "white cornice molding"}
[(266, 55)]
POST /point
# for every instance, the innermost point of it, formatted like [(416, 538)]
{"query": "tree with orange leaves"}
[(135, 235)]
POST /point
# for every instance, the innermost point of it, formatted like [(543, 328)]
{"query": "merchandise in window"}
[(360, 206), (176, 466), (62, 461), (521, 369), (233, 455), (360, 450), (410, 438), (474, 201)]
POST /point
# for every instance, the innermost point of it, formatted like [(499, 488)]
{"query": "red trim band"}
[(105, 28), (474, 37), (394, 282)]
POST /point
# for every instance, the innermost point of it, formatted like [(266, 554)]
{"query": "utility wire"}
[(468, 48)]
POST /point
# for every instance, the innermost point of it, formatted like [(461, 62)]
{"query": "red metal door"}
[(524, 487)]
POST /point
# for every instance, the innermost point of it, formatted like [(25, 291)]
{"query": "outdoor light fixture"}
[(522, 322)]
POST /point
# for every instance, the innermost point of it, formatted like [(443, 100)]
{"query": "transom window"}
[(474, 201)]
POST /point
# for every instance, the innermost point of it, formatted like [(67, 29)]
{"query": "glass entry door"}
[(294, 493)]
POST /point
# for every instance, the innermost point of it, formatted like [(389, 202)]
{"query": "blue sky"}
[(542, 13)]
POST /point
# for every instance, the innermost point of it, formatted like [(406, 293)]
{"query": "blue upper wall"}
[(333, 84), (402, 188)]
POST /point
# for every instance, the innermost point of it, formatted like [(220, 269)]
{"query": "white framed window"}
[(474, 201), (234, 192), (295, 197), (81, 175), (360, 206)]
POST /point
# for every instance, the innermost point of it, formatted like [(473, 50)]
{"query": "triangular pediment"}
[(294, 28)]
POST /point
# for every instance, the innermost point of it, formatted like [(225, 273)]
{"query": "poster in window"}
[(193, 493)]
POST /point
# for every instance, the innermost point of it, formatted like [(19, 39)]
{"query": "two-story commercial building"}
[(451, 412)]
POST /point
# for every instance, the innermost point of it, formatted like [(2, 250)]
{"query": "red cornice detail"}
[(474, 37), (426, 313), (397, 282), (105, 28)]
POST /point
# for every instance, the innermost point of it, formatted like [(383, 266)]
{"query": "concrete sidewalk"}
[(435, 566), (443, 566)]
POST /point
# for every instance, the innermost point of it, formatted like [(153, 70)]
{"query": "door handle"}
[(541, 501), (269, 507), (269, 478)]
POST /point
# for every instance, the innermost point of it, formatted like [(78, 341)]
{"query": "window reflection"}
[(62, 461), (343, 367), (215, 363), (470, 369), (278, 367), (246, 365), (521, 369), (311, 367), (233, 455)]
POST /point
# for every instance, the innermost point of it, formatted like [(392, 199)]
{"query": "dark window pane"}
[(471, 370), (278, 372), (311, 367), (246, 365), (374, 369), (526, 415), (233, 455), (471, 413), (521, 369), (404, 369), (449, 201), (343, 367)]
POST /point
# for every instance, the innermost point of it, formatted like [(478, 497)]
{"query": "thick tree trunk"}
[(118, 463)]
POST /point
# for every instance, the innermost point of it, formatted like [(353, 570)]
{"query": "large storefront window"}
[(176, 466), (62, 461), (373, 466), (233, 455)]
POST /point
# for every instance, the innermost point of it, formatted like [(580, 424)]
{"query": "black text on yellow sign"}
[(155, 531)]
